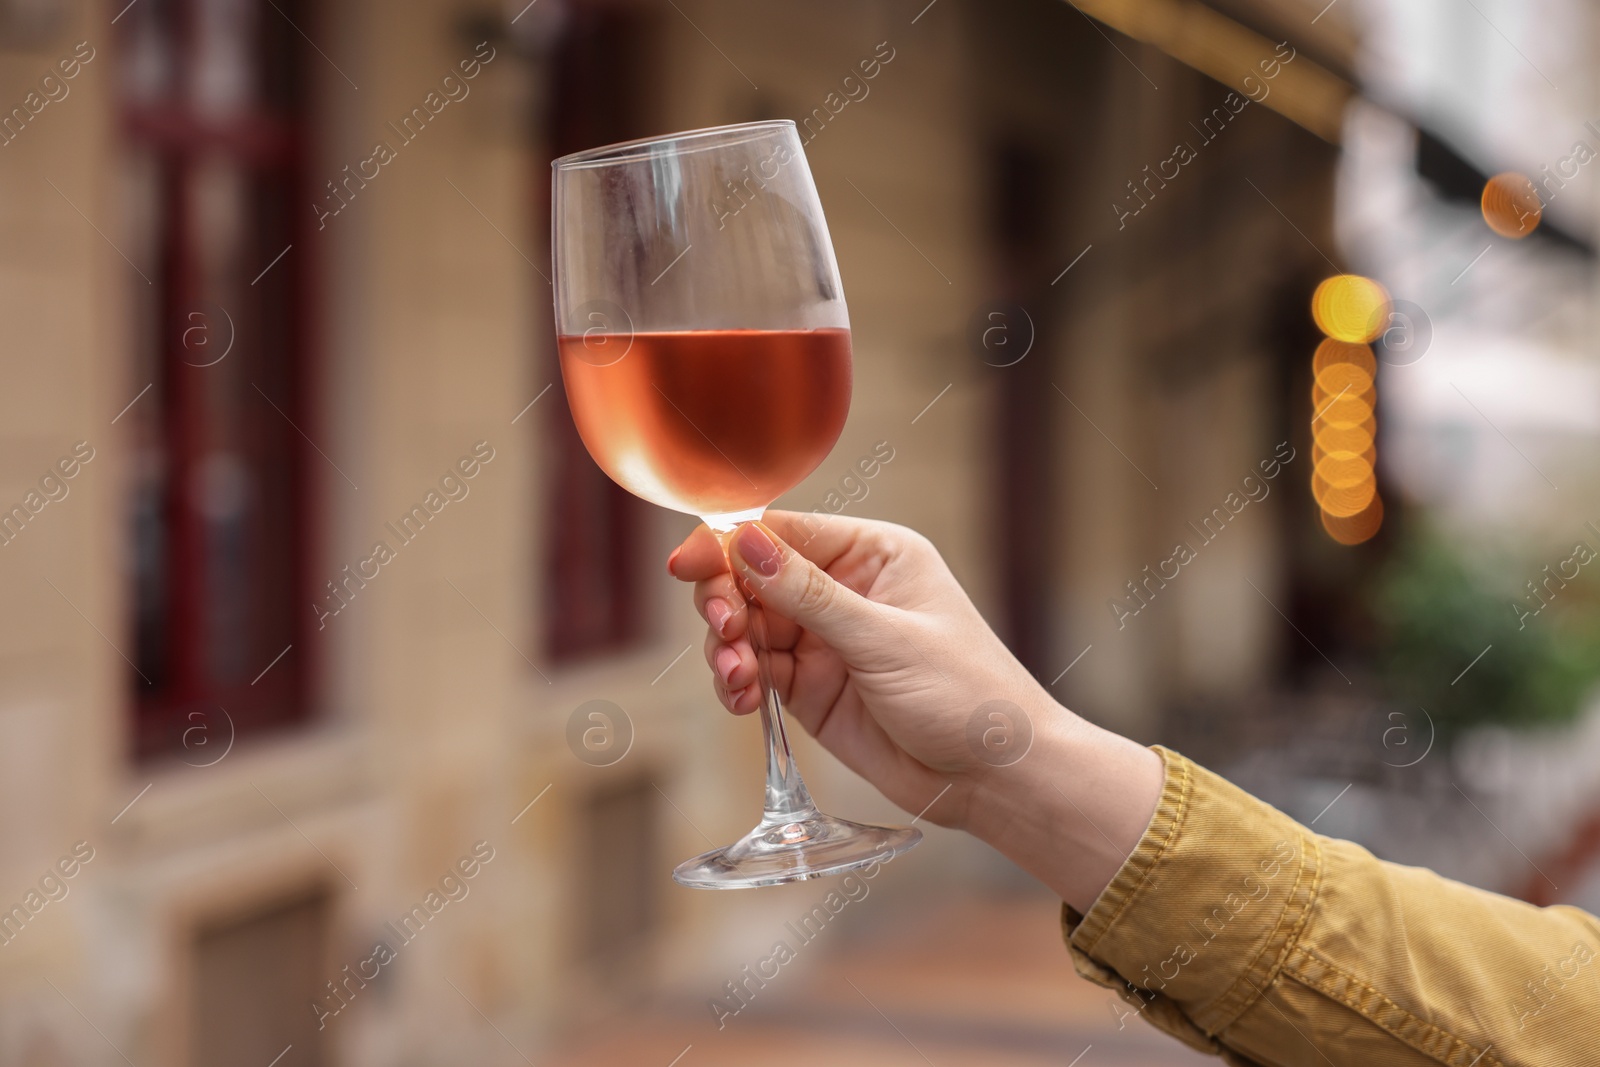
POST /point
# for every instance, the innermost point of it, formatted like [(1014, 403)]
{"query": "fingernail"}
[(757, 549), (717, 614), (672, 560), (727, 661)]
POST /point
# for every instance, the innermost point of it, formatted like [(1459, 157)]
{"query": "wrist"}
[(1073, 807)]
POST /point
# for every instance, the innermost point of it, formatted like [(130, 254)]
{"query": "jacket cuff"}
[(1202, 914)]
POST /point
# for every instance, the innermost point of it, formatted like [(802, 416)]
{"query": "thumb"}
[(798, 589)]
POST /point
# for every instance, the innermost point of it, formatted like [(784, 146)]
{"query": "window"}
[(213, 120), (255, 980), (1027, 528), (621, 899), (594, 602)]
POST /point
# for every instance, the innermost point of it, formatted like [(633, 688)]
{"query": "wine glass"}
[(705, 350)]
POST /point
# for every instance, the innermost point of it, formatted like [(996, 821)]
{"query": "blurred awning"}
[(1457, 178), (1227, 39)]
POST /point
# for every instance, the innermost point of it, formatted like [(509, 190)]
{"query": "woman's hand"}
[(875, 649), (878, 652)]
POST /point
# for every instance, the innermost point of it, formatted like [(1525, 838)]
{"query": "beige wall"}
[(59, 283)]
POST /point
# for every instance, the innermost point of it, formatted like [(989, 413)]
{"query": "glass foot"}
[(810, 846)]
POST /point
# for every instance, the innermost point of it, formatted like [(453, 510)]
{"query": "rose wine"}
[(708, 422)]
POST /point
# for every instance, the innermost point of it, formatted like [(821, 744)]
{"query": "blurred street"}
[(973, 981)]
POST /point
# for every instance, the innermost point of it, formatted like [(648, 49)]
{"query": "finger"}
[(699, 557), (734, 663), (719, 603), (781, 632), (740, 701), (724, 698), (797, 589), (820, 538), (746, 700)]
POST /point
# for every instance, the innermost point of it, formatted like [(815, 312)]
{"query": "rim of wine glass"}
[(643, 147)]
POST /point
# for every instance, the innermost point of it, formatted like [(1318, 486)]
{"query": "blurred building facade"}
[(276, 282)]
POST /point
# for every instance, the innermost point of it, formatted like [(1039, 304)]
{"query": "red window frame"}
[(175, 683), (594, 582), (1021, 173)]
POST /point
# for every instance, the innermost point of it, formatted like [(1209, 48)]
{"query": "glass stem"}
[(788, 802)]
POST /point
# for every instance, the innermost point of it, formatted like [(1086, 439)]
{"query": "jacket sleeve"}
[(1244, 934)]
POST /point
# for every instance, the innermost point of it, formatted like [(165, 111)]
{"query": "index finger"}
[(699, 557), (822, 539)]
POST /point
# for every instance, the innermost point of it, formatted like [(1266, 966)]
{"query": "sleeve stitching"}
[(1393, 1019), (1279, 950)]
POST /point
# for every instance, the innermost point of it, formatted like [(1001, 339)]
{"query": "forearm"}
[(1233, 927), (1073, 808)]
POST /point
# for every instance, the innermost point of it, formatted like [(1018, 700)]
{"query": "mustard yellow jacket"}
[(1243, 934)]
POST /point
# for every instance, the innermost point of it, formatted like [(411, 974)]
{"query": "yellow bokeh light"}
[(1350, 308), (1511, 205)]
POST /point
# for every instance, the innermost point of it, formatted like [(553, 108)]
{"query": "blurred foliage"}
[(1438, 610)]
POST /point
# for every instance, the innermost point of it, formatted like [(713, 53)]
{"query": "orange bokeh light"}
[(1370, 454), (1354, 529), (1331, 352), (1511, 205), (1344, 438), (1344, 378), (1352, 311), (1321, 398), (1341, 470), (1343, 411), (1344, 501), (1351, 308)]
